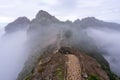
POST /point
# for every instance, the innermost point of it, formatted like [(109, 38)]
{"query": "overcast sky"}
[(108, 10)]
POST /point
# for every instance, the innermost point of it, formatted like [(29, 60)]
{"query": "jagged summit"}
[(20, 20), (45, 16), (19, 23), (42, 13), (89, 18)]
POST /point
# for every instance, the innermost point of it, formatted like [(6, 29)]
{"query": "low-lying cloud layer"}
[(13, 54), (108, 40)]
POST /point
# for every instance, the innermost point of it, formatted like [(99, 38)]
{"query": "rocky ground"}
[(73, 67), (67, 64)]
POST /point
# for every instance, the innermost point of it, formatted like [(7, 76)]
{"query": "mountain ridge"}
[(46, 34), (56, 65), (44, 18)]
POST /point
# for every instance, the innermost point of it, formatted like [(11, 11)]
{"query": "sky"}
[(107, 10)]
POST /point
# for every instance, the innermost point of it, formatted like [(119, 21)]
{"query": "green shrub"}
[(28, 77), (93, 77), (41, 69), (59, 72)]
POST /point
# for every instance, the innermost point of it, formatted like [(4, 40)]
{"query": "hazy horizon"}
[(62, 9)]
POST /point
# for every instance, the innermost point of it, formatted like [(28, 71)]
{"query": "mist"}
[(16, 47), (21, 47), (12, 54), (108, 40)]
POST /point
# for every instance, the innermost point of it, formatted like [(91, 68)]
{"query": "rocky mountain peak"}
[(18, 24), (42, 13), (89, 19), (20, 20), (43, 16)]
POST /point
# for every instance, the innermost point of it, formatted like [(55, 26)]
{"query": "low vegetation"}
[(59, 73), (28, 77), (93, 77)]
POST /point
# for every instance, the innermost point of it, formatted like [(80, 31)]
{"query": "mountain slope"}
[(66, 64)]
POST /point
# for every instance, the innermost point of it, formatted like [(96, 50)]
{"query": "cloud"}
[(5, 19), (49, 2), (62, 9), (108, 40), (89, 3)]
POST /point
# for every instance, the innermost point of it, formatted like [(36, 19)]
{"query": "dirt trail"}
[(73, 67)]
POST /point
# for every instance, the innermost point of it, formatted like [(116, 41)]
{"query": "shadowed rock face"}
[(42, 15), (92, 22), (44, 18), (19, 24)]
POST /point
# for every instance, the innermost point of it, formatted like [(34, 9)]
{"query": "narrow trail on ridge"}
[(73, 67)]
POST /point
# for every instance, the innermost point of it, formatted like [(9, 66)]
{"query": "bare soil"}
[(73, 67)]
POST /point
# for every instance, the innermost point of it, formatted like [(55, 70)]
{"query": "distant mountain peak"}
[(89, 19), (43, 13), (77, 21), (44, 17), (21, 20), (18, 24)]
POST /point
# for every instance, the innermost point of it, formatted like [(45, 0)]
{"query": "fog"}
[(15, 47), (12, 54), (109, 41)]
